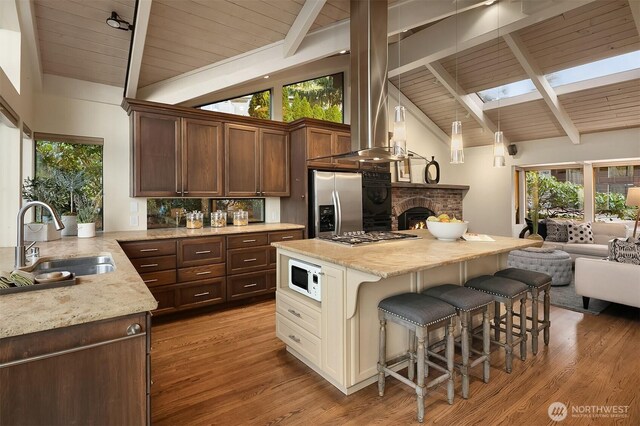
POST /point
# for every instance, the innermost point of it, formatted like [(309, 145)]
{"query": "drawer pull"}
[(150, 265), (294, 338), (250, 260), (287, 237), (201, 294), (294, 313), (150, 281), (248, 241), (203, 252), (203, 273), (151, 249), (250, 285)]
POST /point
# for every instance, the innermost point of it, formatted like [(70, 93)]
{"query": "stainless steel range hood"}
[(369, 66)]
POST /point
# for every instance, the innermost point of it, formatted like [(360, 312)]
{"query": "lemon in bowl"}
[(448, 230)]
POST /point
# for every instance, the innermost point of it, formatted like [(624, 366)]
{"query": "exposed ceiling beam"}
[(29, 30), (635, 11), (301, 25), (269, 59), (474, 27), (467, 101), (548, 94), (137, 47)]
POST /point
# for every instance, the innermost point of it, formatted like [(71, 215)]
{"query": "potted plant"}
[(88, 211), (70, 182), (535, 206), (41, 189)]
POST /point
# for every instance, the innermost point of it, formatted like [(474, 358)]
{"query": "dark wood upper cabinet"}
[(274, 158), (202, 158), (341, 144), (156, 162)]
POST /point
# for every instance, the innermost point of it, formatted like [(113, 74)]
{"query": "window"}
[(559, 193), (320, 98), (256, 105), (507, 91), (72, 166), (611, 184), (601, 68)]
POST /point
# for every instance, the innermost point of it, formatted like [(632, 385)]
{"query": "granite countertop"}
[(391, 258), (94, 297)]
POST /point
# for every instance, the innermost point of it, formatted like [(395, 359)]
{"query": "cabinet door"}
[(319, 143), (156, 161), (274, 156), (242, 168), (202, 158), (342, 145)]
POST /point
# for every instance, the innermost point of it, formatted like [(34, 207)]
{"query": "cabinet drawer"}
[(200, 272), (246, 285), (154, 279), (298, 338), (298, 313), (200, 251), (138, 249), (247, 260), (152, 264), (247, 240), (295, 234), (166, 298), (209, 291)]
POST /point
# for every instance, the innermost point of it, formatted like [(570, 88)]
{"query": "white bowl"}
[(447, 231)]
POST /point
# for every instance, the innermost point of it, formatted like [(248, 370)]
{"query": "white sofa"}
[(607, 280), (603, 232)]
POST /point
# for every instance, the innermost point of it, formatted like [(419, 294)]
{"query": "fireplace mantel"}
[(428, 186)]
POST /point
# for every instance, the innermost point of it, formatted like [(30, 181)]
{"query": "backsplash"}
[(170, 212)]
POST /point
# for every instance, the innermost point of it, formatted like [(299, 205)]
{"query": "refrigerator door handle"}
[(338, 207)]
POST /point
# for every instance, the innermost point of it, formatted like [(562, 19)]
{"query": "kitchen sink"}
[(91, 265)]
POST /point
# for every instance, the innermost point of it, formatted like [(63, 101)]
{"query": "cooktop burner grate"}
[(361, 237)]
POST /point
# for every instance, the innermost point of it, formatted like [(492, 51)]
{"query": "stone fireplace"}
[(436, 198)]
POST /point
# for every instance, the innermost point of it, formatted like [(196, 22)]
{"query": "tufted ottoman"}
[(556, 263)]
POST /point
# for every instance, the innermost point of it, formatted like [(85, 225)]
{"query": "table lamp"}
[(633, 200)]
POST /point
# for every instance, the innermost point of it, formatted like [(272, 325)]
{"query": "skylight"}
[(601, 68)]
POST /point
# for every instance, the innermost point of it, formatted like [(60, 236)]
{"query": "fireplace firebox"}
[(414, 218)]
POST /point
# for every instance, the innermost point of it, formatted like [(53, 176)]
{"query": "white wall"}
[(488, 203), (63, 108)]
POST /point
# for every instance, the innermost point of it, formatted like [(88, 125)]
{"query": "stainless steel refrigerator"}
[(336, 206)]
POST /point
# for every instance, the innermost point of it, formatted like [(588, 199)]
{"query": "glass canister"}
[(218, 219), (194, 220), (240, 218)]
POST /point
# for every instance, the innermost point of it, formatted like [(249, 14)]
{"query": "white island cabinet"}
[(338, 336)]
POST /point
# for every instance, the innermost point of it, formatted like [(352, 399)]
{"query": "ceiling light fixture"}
[(498, 137), (489, 2), (342, 52), (115, 21), (399, 139), (457, 145), (266, 76)]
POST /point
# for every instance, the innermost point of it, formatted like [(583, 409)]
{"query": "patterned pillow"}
[(579, 233), (557, 231), (625, 251)]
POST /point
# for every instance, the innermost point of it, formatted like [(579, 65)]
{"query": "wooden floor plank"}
[(228, 368)]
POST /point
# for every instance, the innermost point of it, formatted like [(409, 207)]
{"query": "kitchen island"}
[(338, 335)]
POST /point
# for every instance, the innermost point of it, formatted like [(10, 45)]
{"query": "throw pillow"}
[(579, 233), (625, 251), (557, 231)]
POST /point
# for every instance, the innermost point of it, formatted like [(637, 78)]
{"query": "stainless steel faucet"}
[(21, 257)]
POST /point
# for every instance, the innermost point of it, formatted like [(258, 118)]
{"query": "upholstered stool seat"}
[(556, 263), (505, 291), (416, 312), (466, 301), (537, 282)]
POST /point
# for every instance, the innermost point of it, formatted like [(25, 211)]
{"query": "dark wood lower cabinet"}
[(93, 373)]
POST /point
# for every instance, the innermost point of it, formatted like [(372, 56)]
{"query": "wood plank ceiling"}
[(184, 35), (76, 42)]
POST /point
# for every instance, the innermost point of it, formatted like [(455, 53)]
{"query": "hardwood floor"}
[(229, 368)]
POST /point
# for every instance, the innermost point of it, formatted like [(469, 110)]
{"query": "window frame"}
[(270, 90), (343, 73)]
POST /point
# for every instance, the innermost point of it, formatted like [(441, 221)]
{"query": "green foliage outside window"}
[(320, 98), (260, 105)]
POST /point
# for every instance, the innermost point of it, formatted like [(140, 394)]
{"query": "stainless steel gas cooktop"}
[(360, 237)]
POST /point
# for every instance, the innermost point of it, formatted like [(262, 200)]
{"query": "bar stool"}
[(505, 291), (537, 282), (416, 312), (466, 301)]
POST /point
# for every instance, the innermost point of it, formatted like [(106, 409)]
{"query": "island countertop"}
[(95, 297), (392, 258)]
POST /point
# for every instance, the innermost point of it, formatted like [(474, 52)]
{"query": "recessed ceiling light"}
[(266, 76), (342, 52), (404, 31), (489, 2)]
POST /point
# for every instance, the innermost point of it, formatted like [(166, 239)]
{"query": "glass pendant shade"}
[(498, 150), (399, 139), (457, 148)]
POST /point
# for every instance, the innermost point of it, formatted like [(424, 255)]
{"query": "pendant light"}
[(498, 137), (399, 139), (457, 145)]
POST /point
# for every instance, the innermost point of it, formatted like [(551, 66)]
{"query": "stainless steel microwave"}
[(305, 278)]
